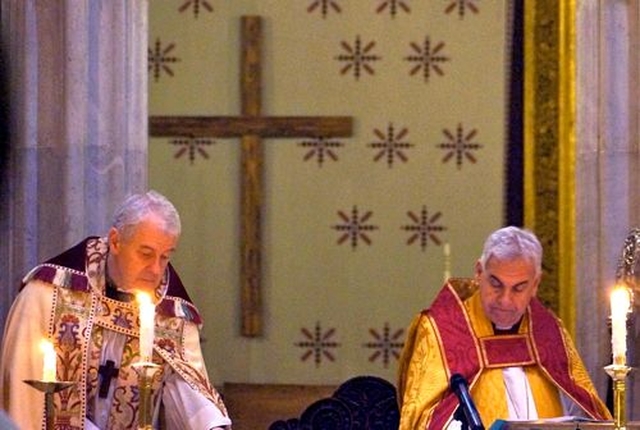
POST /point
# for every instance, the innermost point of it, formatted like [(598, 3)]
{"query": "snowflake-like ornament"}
[(195, 5), (321, 147), (385, 344), (192, 146), (159, 59), (393, 6), (461, 6), (355, 227), (459, 145), (424, 228), (318, 344), (324, 6), (427, 58), (390, 144), (357, 57)]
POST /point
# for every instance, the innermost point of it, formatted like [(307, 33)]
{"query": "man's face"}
[(506, 288), (137, 263)]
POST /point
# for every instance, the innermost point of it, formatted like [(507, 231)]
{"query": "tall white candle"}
[(48, 361), (147, 325), (620, 302), (447, 261)]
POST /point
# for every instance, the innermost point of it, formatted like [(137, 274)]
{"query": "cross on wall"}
[(251, 127)]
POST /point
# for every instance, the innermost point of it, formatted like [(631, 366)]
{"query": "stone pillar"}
[(607, 162), (76, 75)]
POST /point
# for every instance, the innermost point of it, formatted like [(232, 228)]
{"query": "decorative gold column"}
[(618, 373), (549, 117), (146, 371)]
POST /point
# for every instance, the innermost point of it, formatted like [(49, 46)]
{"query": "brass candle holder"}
[(146, 372), (48, 388), (618, 373)]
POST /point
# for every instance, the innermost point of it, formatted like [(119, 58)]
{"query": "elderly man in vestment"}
[(518, 359), (83, 301)]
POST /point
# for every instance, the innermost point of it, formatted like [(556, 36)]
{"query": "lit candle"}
[(49, 361), (147, 325), (620, 302), (447, 261)]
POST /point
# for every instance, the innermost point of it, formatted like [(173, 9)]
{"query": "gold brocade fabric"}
[(424, 373)]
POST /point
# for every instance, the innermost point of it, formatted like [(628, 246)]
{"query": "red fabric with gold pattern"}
[(464, 353), (554, 359), (507, 351), (459, 346)]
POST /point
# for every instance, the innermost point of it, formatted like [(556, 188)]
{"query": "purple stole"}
[(464, 353)]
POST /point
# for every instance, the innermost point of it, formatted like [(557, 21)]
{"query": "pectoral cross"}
[(251, 127), (107, 372)]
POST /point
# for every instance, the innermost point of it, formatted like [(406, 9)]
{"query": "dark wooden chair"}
[(362, 403)]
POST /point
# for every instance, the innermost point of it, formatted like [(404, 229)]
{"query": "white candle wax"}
[(620, 302), (147, 325), (48, 361)]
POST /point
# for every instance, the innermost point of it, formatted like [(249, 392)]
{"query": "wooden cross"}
[(251, 127), (107, 372)]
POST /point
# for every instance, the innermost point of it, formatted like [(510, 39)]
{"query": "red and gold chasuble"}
[(541, 348), (80, 316)]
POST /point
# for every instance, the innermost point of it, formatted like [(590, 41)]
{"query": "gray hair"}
[(510, 243), (138, 206)]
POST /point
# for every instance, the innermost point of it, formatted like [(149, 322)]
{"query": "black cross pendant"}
[(106, 371)]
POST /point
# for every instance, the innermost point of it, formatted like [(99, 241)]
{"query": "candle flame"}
[(620, 300), (147, 325), (620, 303), (48, 360), (143, 298)]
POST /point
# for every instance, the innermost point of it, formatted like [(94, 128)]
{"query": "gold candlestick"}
[(146, 372), (618, 372), (48, 388)]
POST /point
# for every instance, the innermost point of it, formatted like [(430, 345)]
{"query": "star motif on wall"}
[(320, 147), (429, 58), (192, 146), (159, 60), (393, 6), (424, 228), (354, 227), (323, 6), (385, 344), (461, 6), (195, 5), (459, 145), (390, 145), (357, 57), (318, 344)]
